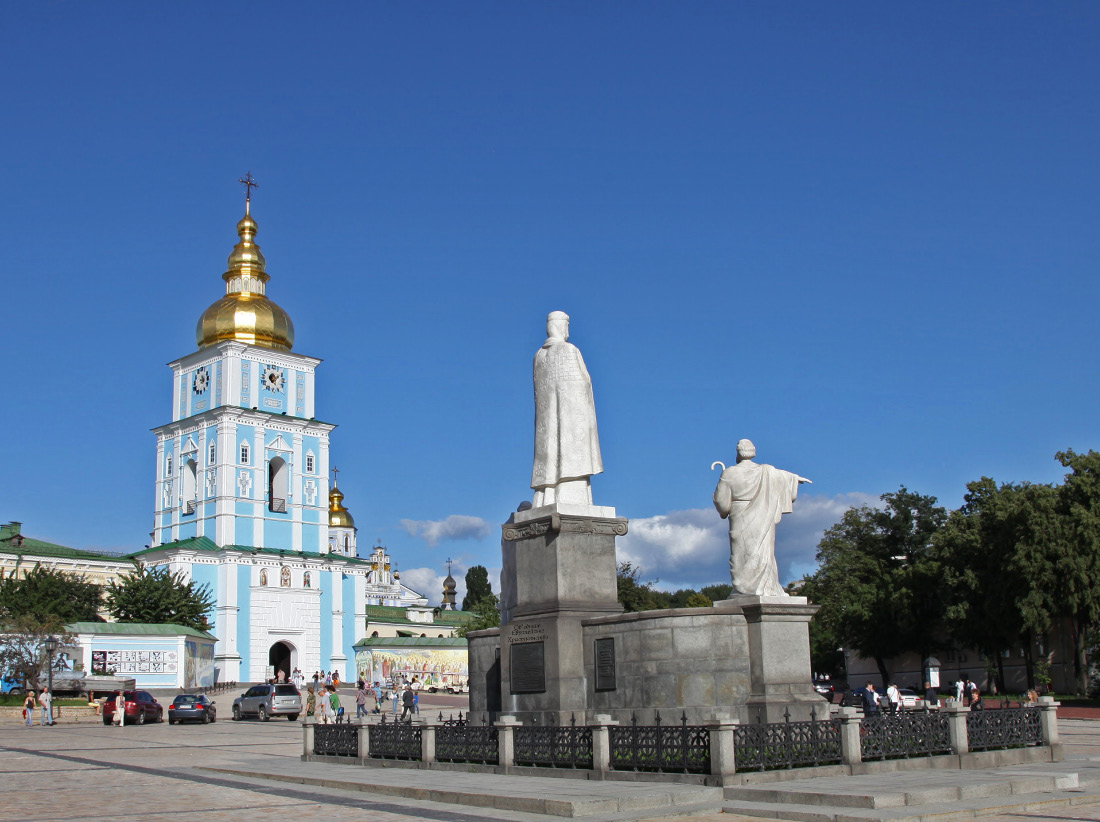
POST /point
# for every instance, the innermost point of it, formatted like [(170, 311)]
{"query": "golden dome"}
[(338, 515), (245, 313)]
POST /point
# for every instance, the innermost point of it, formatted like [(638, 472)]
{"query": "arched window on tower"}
[(189, 488), (278, 482), (347, 543)]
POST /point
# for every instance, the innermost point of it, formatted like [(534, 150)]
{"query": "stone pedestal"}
[(564, 574), (780, 678)]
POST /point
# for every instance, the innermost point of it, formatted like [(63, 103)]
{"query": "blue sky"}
[(862, 234)]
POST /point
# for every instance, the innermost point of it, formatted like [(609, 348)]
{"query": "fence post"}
[(364, 741), (956, 725), (1048, 716), (851, 753), (723, 747), (601, 743), (308, 724), (506, 741), (427, 740)]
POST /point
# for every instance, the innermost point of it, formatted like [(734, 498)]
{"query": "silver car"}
[(266, 701)]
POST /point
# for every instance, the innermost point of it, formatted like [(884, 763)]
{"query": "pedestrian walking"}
[(395, 695), (408, 703), (28, 709), (377, 697), (870, 699), (335, 711), (960, 686), (893, 698), (120, 710), (361, 701), (45, 699), (931, 698)]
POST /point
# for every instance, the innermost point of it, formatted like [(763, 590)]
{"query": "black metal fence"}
[(456, 740), (904, 734), (556, 746), (336, 740), (679, 748), (776, 745), (1004, 728), (394, 740)]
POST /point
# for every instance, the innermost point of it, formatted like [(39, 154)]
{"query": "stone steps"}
[(943, 796)]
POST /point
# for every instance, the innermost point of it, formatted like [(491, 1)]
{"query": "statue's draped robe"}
[(567, 444), (755, 497)]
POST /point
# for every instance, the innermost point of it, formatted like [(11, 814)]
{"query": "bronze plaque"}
[(605, 664), (527, 668)]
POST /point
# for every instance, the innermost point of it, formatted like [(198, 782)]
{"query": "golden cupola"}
[(338, 515), (245, 313)]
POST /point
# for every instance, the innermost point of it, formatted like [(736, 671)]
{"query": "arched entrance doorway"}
[(279, 657)]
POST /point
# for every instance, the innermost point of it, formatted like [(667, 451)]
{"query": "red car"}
[(140, 707)]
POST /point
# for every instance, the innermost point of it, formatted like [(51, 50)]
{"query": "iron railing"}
[(336, 740), (679, 748), (1003, 728), (394, 740), (775, 745), (458, 741), (564, 746), (904, 734)]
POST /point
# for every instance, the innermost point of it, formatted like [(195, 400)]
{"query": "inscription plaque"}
[(605, 664), (527, 668)]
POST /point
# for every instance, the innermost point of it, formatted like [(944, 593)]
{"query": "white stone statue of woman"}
[(755, 497), (567, 444)]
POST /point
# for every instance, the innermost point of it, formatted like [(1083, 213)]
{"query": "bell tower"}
[(244, 461)]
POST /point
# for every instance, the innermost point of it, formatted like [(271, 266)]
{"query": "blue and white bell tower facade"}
[(242, 493), (243, 462)]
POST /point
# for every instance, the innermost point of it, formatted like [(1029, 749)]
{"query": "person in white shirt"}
[(959, 685), (894, 697), (45, 699)]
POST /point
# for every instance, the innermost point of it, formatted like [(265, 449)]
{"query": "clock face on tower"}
[(201, 381), (272, 378)]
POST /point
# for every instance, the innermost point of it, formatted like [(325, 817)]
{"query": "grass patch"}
[(16, 701)]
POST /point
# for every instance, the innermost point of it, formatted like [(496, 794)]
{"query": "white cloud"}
[(425, 581), (454, 527), (690, 548)]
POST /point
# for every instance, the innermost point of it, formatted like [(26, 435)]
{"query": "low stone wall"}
[(61, 713)]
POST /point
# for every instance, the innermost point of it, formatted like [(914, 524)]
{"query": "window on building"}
[(374, 633), (278, 483), (347, 543), (211, 452), (284, 578), (309, 463), (168, 466), (244, 453), (305, 580), (189, 487)]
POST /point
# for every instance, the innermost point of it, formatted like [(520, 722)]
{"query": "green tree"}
[(635, 595), (877, 583), (1076, 545), (486, 613), (717, 592), (159, 595), (998, 570), (50, 595), (477, 588)]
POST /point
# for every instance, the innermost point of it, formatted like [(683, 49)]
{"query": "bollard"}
[(506, 740), (308, 724), (851, 752), (364, 741), (601, 743), (956, 726), (427, 740), (723, 747), (1048, 716)]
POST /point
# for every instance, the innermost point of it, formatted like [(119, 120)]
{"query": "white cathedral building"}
[(242, 500)]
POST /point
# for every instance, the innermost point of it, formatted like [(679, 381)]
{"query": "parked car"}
[(266, 701), (910, 699), (140, 707), (459, 687), (192, 708)]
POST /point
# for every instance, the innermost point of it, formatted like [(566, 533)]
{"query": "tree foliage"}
[(486, 613), (877, 584), (158, 595), (49, 595), (477, 588), (636, 595)]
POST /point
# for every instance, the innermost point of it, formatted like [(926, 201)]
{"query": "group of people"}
[(44, 701), (323, 702)]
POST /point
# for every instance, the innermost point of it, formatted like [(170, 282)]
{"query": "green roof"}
[(135, 629), (456, 617), (12, 541), (207, 544), (411, 642)]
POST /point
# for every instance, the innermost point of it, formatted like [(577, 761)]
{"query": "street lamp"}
[(50, 644)]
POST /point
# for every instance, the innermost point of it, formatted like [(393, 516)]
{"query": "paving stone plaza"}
[(252, 770)]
